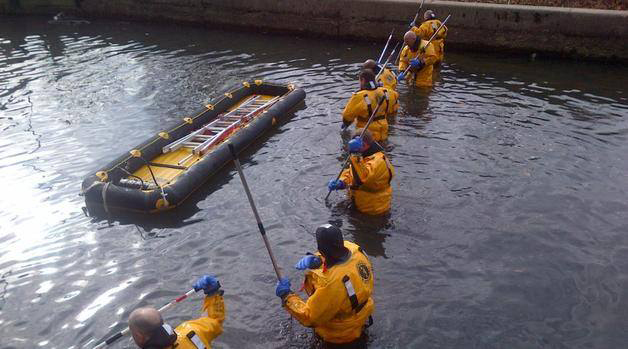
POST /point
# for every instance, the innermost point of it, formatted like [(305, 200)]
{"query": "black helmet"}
[(330, 242)]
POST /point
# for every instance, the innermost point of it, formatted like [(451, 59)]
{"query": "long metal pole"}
[(385, 47), (417, 15), (437, 30), (126, 331), (381, 70), (257, 218), (379, 104)]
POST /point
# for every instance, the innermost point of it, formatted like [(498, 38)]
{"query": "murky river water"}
[(509, 226)]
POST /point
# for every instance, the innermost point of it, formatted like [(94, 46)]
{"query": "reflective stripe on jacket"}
[(204, 329)]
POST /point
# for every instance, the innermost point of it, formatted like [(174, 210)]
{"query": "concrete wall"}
[(596, 34)]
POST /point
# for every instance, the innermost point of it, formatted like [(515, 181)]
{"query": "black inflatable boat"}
[(162, 172)]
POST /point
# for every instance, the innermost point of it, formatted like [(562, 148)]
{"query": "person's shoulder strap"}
[(196, 340)]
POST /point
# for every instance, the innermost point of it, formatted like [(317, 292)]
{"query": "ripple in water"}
[(508, 220)]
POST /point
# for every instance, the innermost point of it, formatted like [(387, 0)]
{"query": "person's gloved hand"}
[(283, 288), (207, 283), (356, 145), (401, 76), (308, 262), (336, 184), (416, 64)]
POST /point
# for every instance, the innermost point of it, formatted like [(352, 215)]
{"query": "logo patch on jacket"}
[(364, 271)]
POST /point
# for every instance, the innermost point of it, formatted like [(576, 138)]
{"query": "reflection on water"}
[(509, 211)]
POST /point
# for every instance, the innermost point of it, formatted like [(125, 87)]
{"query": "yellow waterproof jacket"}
[(427, 29), (368, 179), (205, 329), (422, 78), (388, 79), (362, 104), (336, 316)]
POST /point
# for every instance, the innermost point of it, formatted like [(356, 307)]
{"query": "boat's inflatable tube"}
[(100, 189)]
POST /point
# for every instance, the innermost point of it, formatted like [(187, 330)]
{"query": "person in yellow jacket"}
[(385, 77), (150, 332), (339, 283), (428, 28), (364, 102), (417, 60), (368, 176)]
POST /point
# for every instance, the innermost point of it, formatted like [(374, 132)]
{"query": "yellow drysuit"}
[(336, 315), (388, 79), (204, 329), (427, 29), (363, 103), (423, 77), (368, 179)]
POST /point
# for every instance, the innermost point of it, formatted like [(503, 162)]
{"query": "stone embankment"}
[(566, 32)]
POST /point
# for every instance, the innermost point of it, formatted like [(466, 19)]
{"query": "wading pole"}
[(381, 70), (385, 47), (417, 15), (437, 30), (412, 24), (259, 221), (126, 331), (379, 104)]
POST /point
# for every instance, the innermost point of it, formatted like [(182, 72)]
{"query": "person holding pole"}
[(339, 283), (428, 28), (362, 104), (368, 176), (417, 60), (149, 330), (385, 77)]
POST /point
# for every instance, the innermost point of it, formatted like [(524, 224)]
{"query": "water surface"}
[(508, 226)]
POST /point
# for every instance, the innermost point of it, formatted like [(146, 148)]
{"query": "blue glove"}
[(283, 288), (356, 145), (336, 184), (401, 76), (207, 283), (416, 64), (308, 262)]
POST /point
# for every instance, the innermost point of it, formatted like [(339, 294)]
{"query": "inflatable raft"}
[(162, 172)]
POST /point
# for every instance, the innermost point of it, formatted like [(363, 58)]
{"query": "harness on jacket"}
[(163, 337), (369, 107), (196, 340), (353, 298), (355, 305), (374, 148)]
